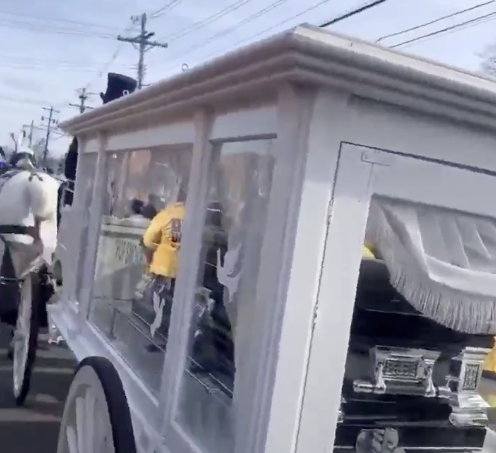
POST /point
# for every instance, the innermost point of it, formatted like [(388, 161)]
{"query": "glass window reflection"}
[(223, 319), (88, 170), (137, 255)]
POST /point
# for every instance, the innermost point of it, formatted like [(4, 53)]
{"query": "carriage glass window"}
[(408, 341), (80, 215), (224, 315), (137, 254)]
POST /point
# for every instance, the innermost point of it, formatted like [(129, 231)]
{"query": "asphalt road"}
[(35, 427)]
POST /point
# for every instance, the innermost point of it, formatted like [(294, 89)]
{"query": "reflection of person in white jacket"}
[(28, 225)]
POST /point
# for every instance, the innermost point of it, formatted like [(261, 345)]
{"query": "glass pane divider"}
[(175, 358)]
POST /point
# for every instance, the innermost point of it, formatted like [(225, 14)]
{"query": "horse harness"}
[(16, 229)]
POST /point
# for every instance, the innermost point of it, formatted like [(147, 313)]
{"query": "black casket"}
[(410, 384)]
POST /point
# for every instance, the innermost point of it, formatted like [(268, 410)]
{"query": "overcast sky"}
[(51, 48)]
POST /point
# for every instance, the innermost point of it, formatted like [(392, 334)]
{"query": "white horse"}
[(28, 233), (28, 223)]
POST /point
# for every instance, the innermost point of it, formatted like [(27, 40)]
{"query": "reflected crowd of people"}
[(212, 349), (146, 214)]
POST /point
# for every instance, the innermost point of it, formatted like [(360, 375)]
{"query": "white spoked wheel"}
[(96, 414), (24, 341)]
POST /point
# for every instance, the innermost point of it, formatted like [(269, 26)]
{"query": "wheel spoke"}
[(81, 420), (88, 426), (90, 416), (20, 339), (71, 440)]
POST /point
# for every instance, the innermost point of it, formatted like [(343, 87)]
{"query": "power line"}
[(262, 32), (31, 128), (48, 68), (268, 29), (83, 97), (352, 13), (471, 22), (107, 65), (61, 21), (33, 62), (143, 44), (435, 21), (112, 58), (165, 9), (236, 26), (207, 20), (23, 101), (34, 27)]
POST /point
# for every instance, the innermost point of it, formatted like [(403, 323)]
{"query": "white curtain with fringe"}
[(442, 261)]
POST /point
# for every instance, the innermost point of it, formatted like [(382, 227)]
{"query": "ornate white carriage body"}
[(294, 136)]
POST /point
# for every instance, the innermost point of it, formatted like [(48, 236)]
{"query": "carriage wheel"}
[(24, 341), (96, 414)]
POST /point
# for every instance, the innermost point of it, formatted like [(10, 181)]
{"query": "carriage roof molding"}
[(307, 55)]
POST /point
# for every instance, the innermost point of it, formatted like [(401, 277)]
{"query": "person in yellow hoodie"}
[(161, 243), (162, 240)]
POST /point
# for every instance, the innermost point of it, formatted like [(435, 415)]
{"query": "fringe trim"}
[(451, 308)]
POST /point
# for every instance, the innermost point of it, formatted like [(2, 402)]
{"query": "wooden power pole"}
[(143, 44), (82, 101), (51, 124)]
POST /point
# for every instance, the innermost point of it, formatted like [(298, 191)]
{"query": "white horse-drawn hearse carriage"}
[(318, 271)]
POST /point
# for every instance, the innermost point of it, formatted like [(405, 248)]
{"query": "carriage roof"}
[(306, 55)]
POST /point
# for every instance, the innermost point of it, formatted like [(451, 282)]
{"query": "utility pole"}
[(143, 44), (31, 129), (51, 123), (82, 101)]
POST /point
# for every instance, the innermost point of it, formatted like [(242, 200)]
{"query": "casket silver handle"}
[(400, 371)]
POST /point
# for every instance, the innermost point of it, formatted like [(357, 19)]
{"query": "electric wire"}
[(61, 68), (458, 27), (64, 21), (14, 59), (234, 27), (24, 101), (353, 12), (39, 28), (435, 21), (207, 20), (283, 22), (113, 58), (262, 32), (70, 66), (166, 9)]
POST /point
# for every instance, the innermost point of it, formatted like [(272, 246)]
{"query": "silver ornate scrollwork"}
[(468, 407), (378, 441), (400, 371)]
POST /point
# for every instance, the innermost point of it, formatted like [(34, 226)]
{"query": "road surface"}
[(34, 428)]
